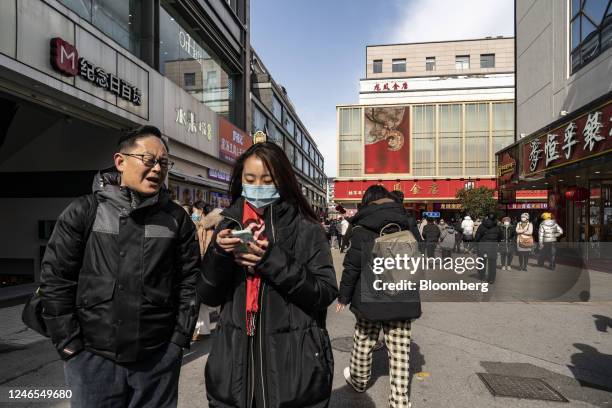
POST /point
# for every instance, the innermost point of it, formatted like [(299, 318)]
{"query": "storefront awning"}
[(201, 181)]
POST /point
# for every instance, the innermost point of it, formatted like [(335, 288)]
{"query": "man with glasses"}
[(118, 282)]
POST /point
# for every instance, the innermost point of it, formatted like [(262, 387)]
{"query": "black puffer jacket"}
[(488, 235), (298, 284), (508, 239), (128, 290), (371, 219)]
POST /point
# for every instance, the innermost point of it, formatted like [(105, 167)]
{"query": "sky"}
[(316, 48)]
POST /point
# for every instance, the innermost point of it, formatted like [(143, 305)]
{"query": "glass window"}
[(182, 51), (351, 145), (399, 65), (277, 109), (503, 125), (487, 60), (423, 137), (290, 151), (590, 29), (430, 63), (259, 120), (189, 78), (462, 62), (477, 153), (289, 123), (377, 66), (275, 135), (119, 19), (450, 140), (298, 160), (298, 137), (306, 145)]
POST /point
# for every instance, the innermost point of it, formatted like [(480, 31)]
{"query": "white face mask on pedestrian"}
[(506, 223)]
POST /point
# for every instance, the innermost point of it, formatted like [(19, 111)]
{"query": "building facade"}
[(273, 114), (564, 114), (429, 120), (75, 74)]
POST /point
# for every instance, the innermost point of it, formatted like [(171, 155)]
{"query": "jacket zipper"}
[(262, 337)]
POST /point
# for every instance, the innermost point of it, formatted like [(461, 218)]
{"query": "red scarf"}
[(254, 221)]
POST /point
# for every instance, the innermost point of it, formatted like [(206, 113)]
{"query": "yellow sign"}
[(415, 189), (259, 137)]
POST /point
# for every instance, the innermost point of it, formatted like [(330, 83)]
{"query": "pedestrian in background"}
[(549, 232), (524, 240), (333, 234), (507, 244), (118, 282), (431, 236), (344, 226), (488, 236), (458, 234), (378, 211), (467, 226), (447, 240), (271, 348)]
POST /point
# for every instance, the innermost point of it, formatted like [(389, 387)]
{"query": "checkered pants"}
[(397, 338)]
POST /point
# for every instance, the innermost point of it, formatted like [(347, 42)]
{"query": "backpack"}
[(33, 308), (388, 245)]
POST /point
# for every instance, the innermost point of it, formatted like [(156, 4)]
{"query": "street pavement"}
[(569, 345)]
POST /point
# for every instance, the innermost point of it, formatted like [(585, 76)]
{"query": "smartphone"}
[(245, 236)]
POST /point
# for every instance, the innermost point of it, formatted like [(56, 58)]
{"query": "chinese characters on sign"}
[(585, 136), (65, 59), (391, 86), (187, 118)]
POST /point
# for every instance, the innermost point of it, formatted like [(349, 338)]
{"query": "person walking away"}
[(118, 282), (458, 234), (549, 232), (507, 244), (431, 236), (488, 236), (467, 226), (344, 226), (524, 240), (333, 233), (377, 212), (271, 348), (447, 240), (206, 222), (339, 232)]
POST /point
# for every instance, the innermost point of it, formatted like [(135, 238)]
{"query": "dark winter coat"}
[(298, 284), (128, 290), (371, 219), (431, 233), (507, 243), (488, 235)]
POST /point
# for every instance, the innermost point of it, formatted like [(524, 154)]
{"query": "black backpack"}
[(32, 311)]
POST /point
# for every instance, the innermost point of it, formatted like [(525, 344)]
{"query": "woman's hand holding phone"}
[(256, 251), (226, 241)]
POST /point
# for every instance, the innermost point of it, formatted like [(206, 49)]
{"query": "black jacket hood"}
[(376, 215)]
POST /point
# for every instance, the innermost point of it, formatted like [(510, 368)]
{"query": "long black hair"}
[(278, 164)]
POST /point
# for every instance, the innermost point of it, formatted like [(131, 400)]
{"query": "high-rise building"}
[(429, 120)]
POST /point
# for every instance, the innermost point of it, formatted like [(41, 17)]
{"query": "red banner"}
[(586, 136), (232, 141), (387, 140), (419, 189)]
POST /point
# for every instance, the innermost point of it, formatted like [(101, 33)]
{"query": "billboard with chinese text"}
[(586, 136), (232, 141), (387, 140)]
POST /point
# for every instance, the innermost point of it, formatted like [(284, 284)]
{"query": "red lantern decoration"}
[(575, 193)]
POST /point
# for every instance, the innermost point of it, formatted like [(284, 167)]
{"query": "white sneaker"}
[(347, 378)]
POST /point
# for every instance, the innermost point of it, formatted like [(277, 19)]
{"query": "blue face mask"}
[(260, 196), (195, 217)]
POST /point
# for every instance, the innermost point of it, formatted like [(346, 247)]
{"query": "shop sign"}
[(232, 141), (506, 167), (586, 136), (219, 175), (390, 86), (188, 119), (414, 189), (431, 214), (450, 206), (527, 206), (65, 59)]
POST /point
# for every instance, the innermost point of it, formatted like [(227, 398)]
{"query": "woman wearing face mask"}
[(508, 243), (271, 348), (524, 240)]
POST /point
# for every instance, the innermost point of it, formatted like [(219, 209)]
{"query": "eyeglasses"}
[(150, 161)]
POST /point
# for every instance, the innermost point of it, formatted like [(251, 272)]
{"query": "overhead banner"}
[(387, 140)]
